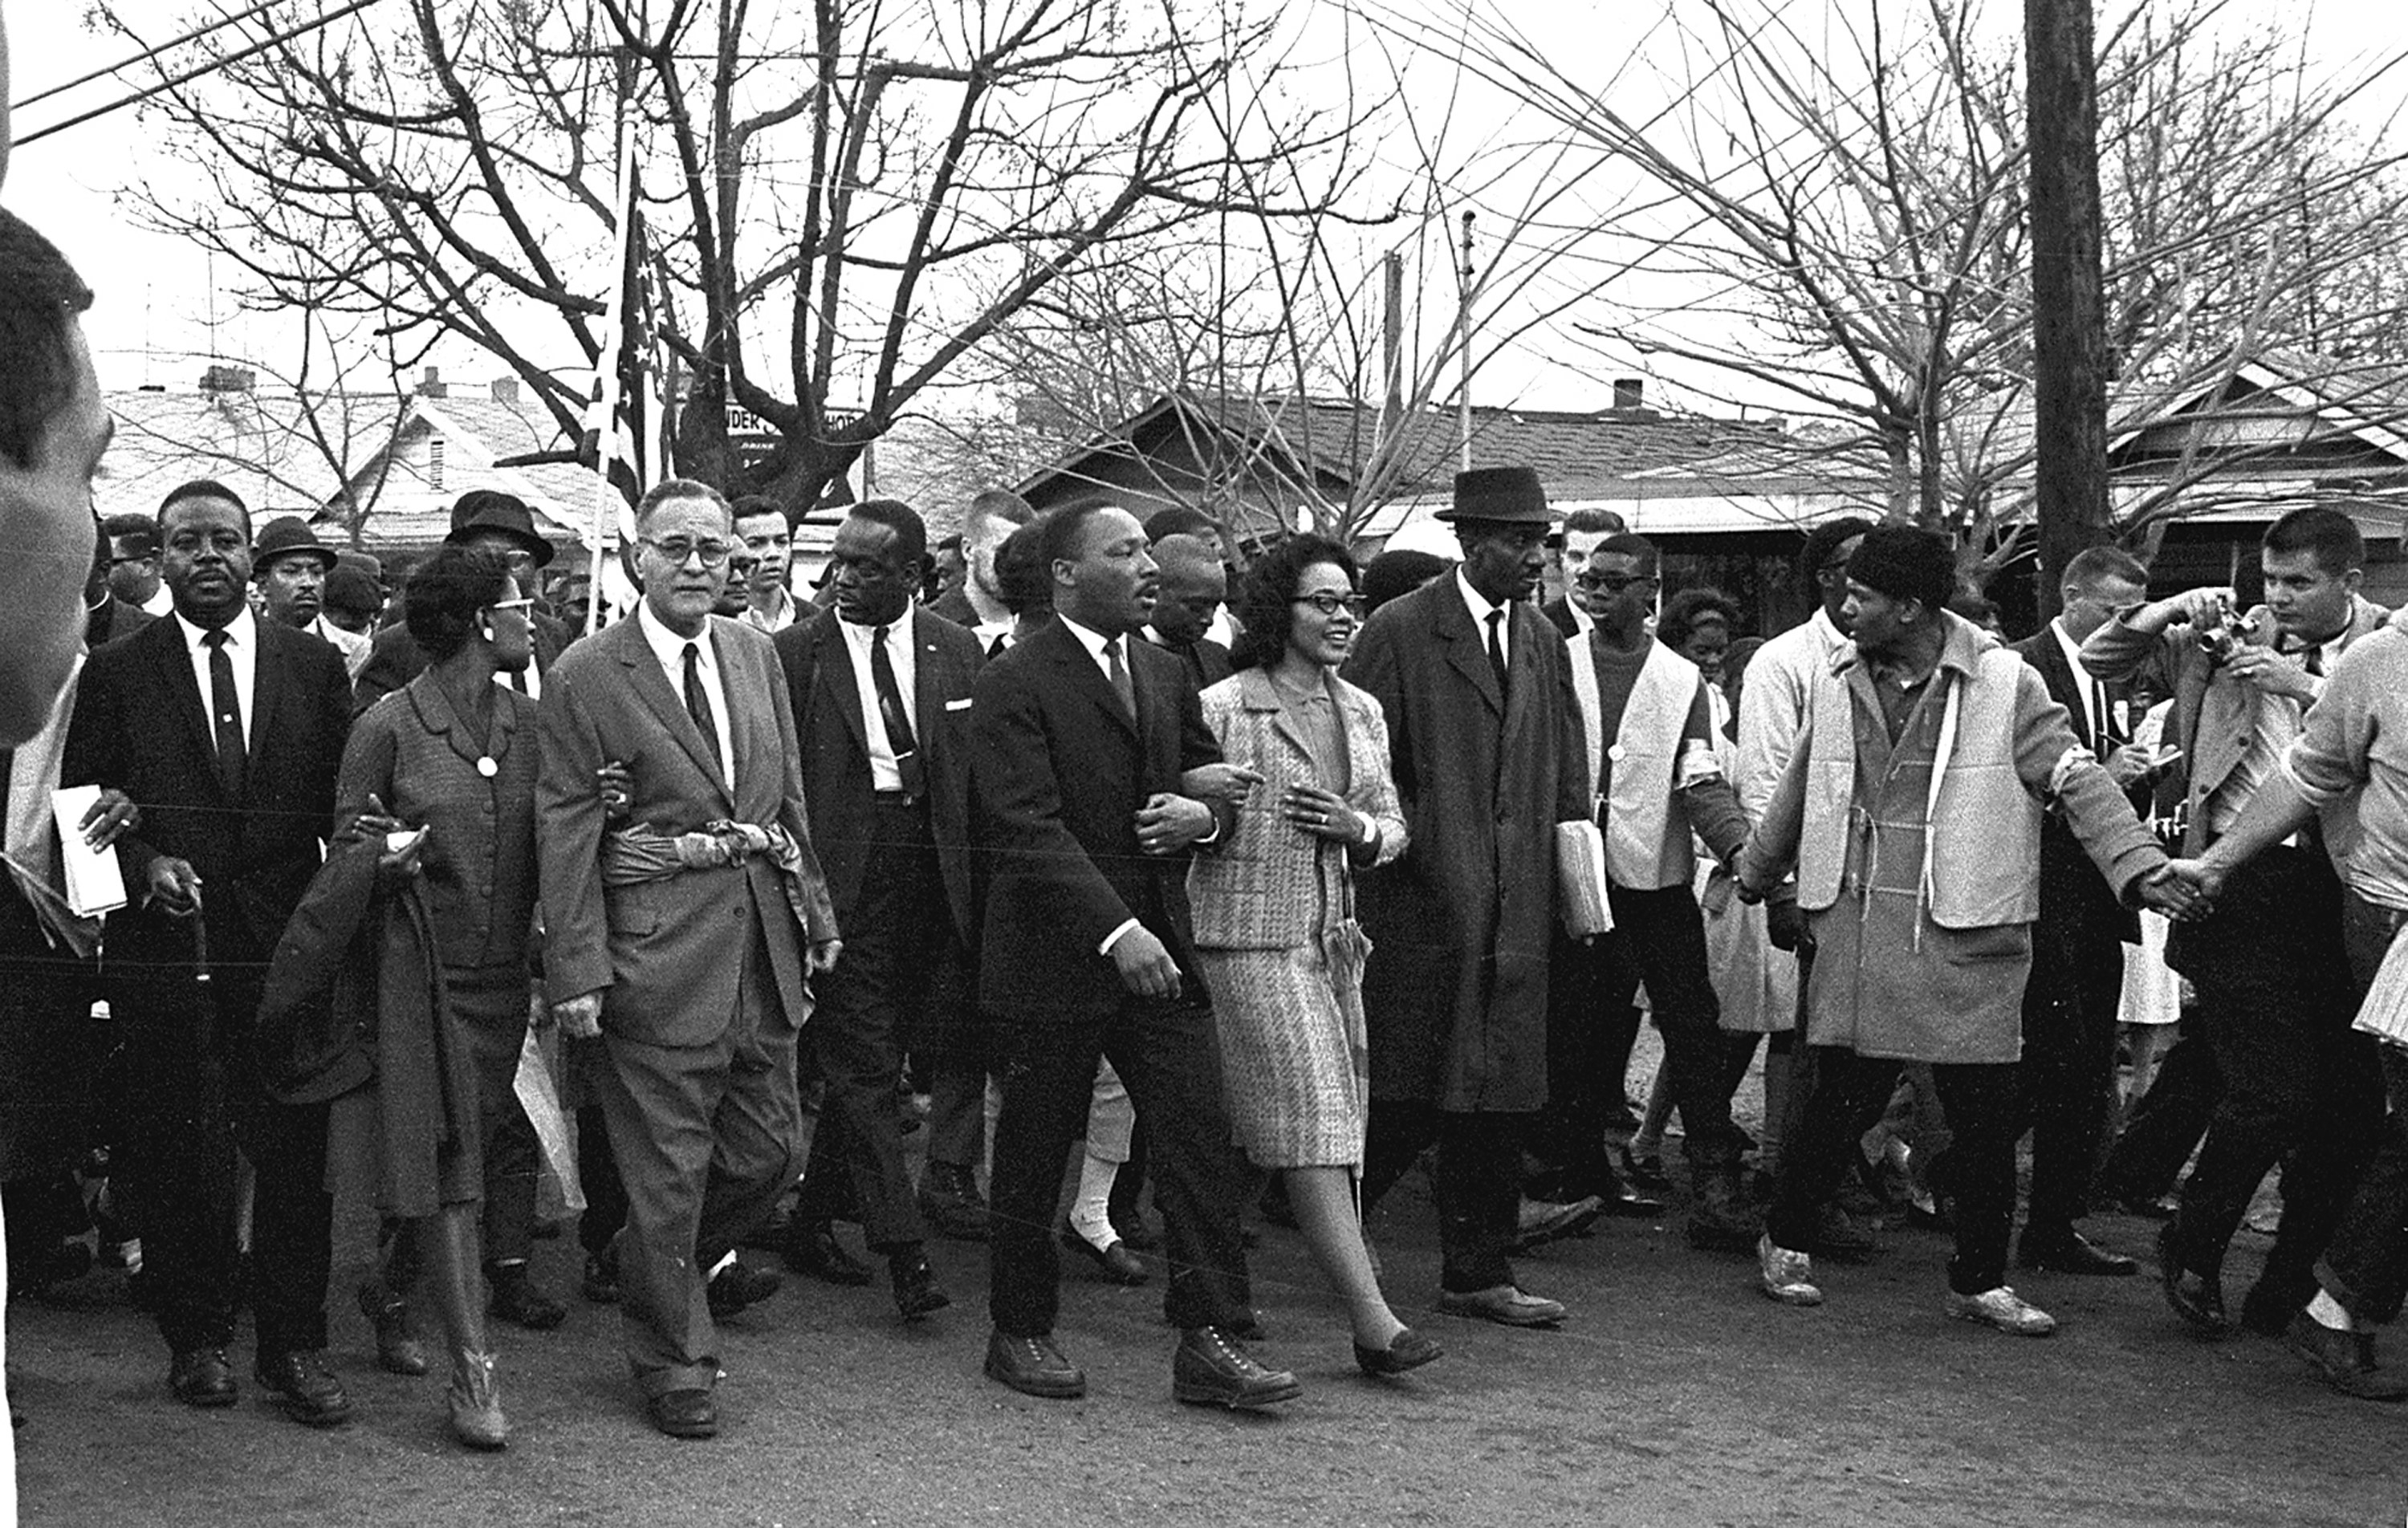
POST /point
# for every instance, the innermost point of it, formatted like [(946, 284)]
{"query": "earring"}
[(487, 632)]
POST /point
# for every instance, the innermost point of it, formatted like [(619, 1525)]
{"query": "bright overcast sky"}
[(152, 321)]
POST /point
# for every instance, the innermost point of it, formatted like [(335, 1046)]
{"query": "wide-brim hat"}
[(288, 536), (1499, 495), (353, 589), (486, 511)]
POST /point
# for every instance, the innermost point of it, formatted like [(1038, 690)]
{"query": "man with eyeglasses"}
[(683, 939), (492, 521), (134, 563), (1655, 778)]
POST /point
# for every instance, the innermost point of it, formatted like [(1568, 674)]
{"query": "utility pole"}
[(1463, 339), (2069, 360)]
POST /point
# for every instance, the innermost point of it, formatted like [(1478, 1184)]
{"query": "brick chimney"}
[(505, 389), (430, 385), (228, 379), (1629, 393)]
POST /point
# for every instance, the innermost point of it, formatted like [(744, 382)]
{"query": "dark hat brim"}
[(533, 545)]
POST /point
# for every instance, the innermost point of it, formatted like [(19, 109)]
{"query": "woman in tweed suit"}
[(1275, 912), (453, 752)]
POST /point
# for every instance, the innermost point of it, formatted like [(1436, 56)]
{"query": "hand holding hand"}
[(175, 886), (1323, 814), (111, 817), (1167, 823), (1227, 784), (2173, 890), (1145, 966), (581, 1017), (2204, 876)]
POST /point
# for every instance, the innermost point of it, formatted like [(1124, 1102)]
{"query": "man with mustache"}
[(1088, 751)]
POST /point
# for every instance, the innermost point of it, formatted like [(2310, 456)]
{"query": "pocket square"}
[(961, 705)]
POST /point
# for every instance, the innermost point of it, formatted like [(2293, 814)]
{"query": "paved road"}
[(1675, 1395)]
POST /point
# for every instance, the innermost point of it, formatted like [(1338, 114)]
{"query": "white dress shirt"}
[(1478, 605), (884, 773), (242, 652), (669, 647), (2085, 681), (776, 621)]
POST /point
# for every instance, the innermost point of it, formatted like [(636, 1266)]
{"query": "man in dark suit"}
[(684, 951), (228, 732), (503, 524), (1484, 731), (1085, 744), (882, 702), (107, 618), (2076, 989)]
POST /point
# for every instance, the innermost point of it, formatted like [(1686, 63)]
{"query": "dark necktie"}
[(225, 712), (518, 680), (1496, 648), (1120, 678), (698, 706), (897, 718), (995, 648)]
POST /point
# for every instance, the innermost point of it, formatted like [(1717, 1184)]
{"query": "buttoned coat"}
[(1266, 891), (826, 701), (142, 726), (1456, 994), (667, 955), (1058, 771)]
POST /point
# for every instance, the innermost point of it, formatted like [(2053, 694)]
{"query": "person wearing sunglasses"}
[(450, 757), (1275, 925)]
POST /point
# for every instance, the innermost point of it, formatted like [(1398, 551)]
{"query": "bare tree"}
[(1854, 235), (845, 199)]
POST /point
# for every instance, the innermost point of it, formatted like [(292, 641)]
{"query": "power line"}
[(191, 75), (147, 55)]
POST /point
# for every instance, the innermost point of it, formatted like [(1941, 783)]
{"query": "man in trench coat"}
[(1484, 735)]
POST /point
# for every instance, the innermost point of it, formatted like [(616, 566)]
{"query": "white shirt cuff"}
[(1114, 938)]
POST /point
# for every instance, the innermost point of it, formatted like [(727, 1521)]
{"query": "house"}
[(2286, 429)]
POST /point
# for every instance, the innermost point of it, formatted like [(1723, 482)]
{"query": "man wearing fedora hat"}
[(291, 567), (1485, 733), (495, 521)]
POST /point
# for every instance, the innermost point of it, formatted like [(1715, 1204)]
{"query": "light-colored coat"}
[(1265, 889), (667, 955)]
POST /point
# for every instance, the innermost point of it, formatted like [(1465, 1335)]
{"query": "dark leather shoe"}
[(1645, 1172), (2068, 1253), (305, 1387), (738, 1286), (202, 1376), (1134, 1233), (950, 1201), (684, 1413), (813, 1249), (1211, 1369), (600, 1285), (2345, 1362), (2198, 1298), (1116, 1262), (1407, 1349), (917, 1293), (775, 1227), (398, 1350), (517, 1301), (1539, 1221), (1507, 1305), (1034, 1366)]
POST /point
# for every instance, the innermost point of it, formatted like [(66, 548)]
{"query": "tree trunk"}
[(2068, 326)]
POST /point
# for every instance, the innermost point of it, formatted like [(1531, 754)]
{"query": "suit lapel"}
[(1079, 668), (184, 697), (735, 674), (653, 687), (1467, 646), (929, 679), (269, 682), (2065, 686), (1258, 693), (836, 678)]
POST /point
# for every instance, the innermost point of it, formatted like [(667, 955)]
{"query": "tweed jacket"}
[(1263, 892), (2214, 714)]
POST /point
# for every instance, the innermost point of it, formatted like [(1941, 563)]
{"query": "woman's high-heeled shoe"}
[(1407, 1349), (475, 1397)]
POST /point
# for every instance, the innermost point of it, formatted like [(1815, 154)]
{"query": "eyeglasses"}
[(522, 606), (676, 549), (1615, 583), (1329, 604)]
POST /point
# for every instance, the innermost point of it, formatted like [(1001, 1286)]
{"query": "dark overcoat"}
[(1456, 994)]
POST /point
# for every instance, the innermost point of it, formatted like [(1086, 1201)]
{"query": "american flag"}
[(627, 421)]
